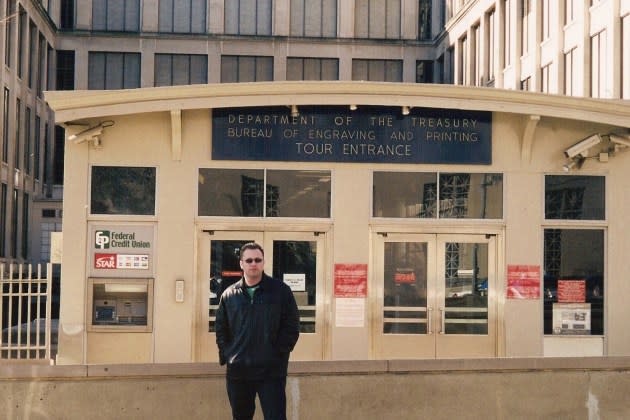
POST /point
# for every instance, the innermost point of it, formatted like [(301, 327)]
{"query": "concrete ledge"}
[(533, 388), (9, 370), (157, 369)]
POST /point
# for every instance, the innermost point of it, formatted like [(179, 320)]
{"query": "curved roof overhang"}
[(76, 105)]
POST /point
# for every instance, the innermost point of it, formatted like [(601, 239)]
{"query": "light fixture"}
[(405, 110), (353, 107), (574, 163), (294, 111)]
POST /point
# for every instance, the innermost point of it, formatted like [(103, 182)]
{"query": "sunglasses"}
[(253, 260)]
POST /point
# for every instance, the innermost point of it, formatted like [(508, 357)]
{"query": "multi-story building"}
[(571, 47)]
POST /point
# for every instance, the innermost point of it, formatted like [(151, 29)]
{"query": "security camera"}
[(620, 140), (581, 147), (86, 135)]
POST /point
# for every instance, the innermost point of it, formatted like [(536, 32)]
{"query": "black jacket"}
[(256, 337)]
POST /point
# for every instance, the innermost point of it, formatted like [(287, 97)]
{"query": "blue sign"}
[(337, 134)]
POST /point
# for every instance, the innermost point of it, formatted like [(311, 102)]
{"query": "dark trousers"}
[(271, 393)]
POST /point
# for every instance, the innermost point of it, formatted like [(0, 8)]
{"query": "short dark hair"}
[(251, 245)]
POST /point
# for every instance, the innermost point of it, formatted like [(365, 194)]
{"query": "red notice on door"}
[(523, 281), (350, 280), (571, 291)]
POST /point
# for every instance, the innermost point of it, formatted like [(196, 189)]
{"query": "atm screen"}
[(104, 313)]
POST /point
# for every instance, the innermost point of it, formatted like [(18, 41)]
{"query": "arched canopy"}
[(76, 105)]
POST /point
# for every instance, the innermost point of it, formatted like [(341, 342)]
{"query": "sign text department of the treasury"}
[(337, 134)]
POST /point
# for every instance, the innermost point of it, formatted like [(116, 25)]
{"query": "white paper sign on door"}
[(350, 312), (297, 282)]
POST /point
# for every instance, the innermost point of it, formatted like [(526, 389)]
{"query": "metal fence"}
[(25, 313)]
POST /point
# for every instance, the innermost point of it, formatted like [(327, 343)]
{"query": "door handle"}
[(429, 321), (442, 320)]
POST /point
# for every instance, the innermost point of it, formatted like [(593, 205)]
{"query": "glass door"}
[(298, 260), (293, 257), (434, 296), (404, 324), (466, 296), (218, 268)]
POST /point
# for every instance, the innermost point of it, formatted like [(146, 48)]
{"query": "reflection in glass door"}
[(434, 296), (465, 309), (405, 295)]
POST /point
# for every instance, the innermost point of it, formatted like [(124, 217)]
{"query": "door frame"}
[(457, 227), (203, 351)]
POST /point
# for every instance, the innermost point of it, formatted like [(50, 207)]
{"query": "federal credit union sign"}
[(121, 250), (337, 134)]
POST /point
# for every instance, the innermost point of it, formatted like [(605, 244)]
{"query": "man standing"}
[(257, 326)]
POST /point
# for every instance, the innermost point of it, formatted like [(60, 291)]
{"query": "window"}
[(41, 75), (573, 281), (428, 195), (476, 76), (463, 73), (449, 72), (47, 160), (51, 67), (424, 71), (67, 16), (598, 65), (525, 84), (182, 16), (544, 76), (9, 22), (180, 69), (570, 77), (575, 197), (113, 70), (116, 15), (123, 190), (36, 151), (264, 193), (525, 10), (441, 70), (246, 69), (248, 17), (377, 70), (545, 19), (65, 70), (22, 34), (3, 219), (491, 41), (33, 55), (507, 33), (312, 68), (625, 57), (18, 133), (569, 11), (378, 19), (5, 126), (28, 145), (25, 224), (60, 142), (313, 18), (424, 20), (14, 224)]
